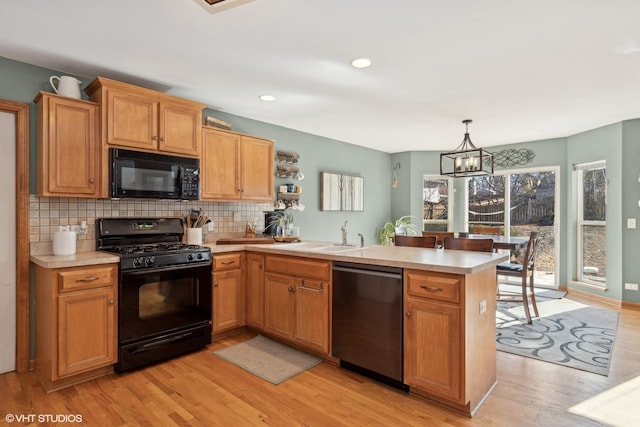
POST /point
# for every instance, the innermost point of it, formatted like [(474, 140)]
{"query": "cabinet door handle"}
[(163, 139), (259, 265), (111, 302), (154, 137), (408, 314), (431, 288), (227, 262), (304, 288), (215, 284), (92, 180), (88, 279)]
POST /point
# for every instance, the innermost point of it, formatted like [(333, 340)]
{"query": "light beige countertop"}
[(450, 261), (78, 260)]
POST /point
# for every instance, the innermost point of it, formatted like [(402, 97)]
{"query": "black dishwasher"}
[(367, 320)]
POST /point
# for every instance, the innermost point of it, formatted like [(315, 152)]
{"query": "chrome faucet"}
[(361, 240), (344, 233)]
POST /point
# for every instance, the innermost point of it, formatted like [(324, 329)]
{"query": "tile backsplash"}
[(47, 213)]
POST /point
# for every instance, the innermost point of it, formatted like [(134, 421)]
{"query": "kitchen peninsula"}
[(448, 297), (449, 309)]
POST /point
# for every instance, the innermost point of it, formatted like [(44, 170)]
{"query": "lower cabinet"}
[(449, 339), (432, 349), (228, 292), (297, 296), (76, 328), (254, 269)]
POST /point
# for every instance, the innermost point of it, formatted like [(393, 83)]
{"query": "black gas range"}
[(148, 243), (164, 291)]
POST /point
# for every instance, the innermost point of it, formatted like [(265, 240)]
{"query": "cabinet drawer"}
[(294, 266), (439, 286), (86, 278), (226, 261)]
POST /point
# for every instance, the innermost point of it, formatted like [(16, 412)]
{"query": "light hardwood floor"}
[(201, 389)]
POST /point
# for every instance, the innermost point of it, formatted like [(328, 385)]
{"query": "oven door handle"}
[(166, 268), (159, 343)]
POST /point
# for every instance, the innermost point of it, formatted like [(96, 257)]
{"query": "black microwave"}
[(136, 174)]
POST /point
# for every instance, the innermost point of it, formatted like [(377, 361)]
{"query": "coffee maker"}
[(271, 226)]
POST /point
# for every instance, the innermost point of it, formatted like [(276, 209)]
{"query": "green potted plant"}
[(402, 225), (283, 219)]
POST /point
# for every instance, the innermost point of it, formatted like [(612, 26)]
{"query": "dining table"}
[(502, 242)]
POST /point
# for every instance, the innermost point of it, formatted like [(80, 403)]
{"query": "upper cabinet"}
[(68, 154), (143, 119), (236, 166)]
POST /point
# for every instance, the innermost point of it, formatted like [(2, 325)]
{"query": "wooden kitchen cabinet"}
[(279, 305), (255, 290), (143, 119), (449, 341), (236, 166), (68, 154), (76, 327), (228, 292), (297, 296), (312, 314)]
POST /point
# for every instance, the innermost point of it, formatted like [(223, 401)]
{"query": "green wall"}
[(21, 82), (604, 143), (318, 154), (630, 206)]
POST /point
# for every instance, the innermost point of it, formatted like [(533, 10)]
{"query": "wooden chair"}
[(523, 271), (439, 235), (415, 241), (463, 244), (487, 230)]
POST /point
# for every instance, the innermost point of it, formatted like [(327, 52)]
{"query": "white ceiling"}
[(522, 70)]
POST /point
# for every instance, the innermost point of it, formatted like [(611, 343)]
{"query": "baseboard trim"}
[(599, 298), (631, 305)]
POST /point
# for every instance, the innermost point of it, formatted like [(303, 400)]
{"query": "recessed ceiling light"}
[(267, 98), (361, 63)]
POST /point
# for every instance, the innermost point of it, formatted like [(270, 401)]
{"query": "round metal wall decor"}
[(511, 157)]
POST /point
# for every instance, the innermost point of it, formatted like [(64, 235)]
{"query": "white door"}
[(8, 243)]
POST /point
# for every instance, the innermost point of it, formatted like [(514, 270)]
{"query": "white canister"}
[(194, 236), (64, 241)]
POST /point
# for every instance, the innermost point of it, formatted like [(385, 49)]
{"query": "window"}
[(486, 201), (435, 198), (520, 202), (591, 221)]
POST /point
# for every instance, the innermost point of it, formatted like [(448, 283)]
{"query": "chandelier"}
[(467, 159)]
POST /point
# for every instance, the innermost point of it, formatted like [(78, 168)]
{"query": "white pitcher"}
[(67, 86)]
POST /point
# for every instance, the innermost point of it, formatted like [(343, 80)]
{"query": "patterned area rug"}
[(568, 333), (270, 360)]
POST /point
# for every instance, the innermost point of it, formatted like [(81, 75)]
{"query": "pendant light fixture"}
[(467, 159)]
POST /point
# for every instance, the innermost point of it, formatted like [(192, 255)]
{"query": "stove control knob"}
[(149, 261), (190, 257), (199, 256), (137, 262)]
